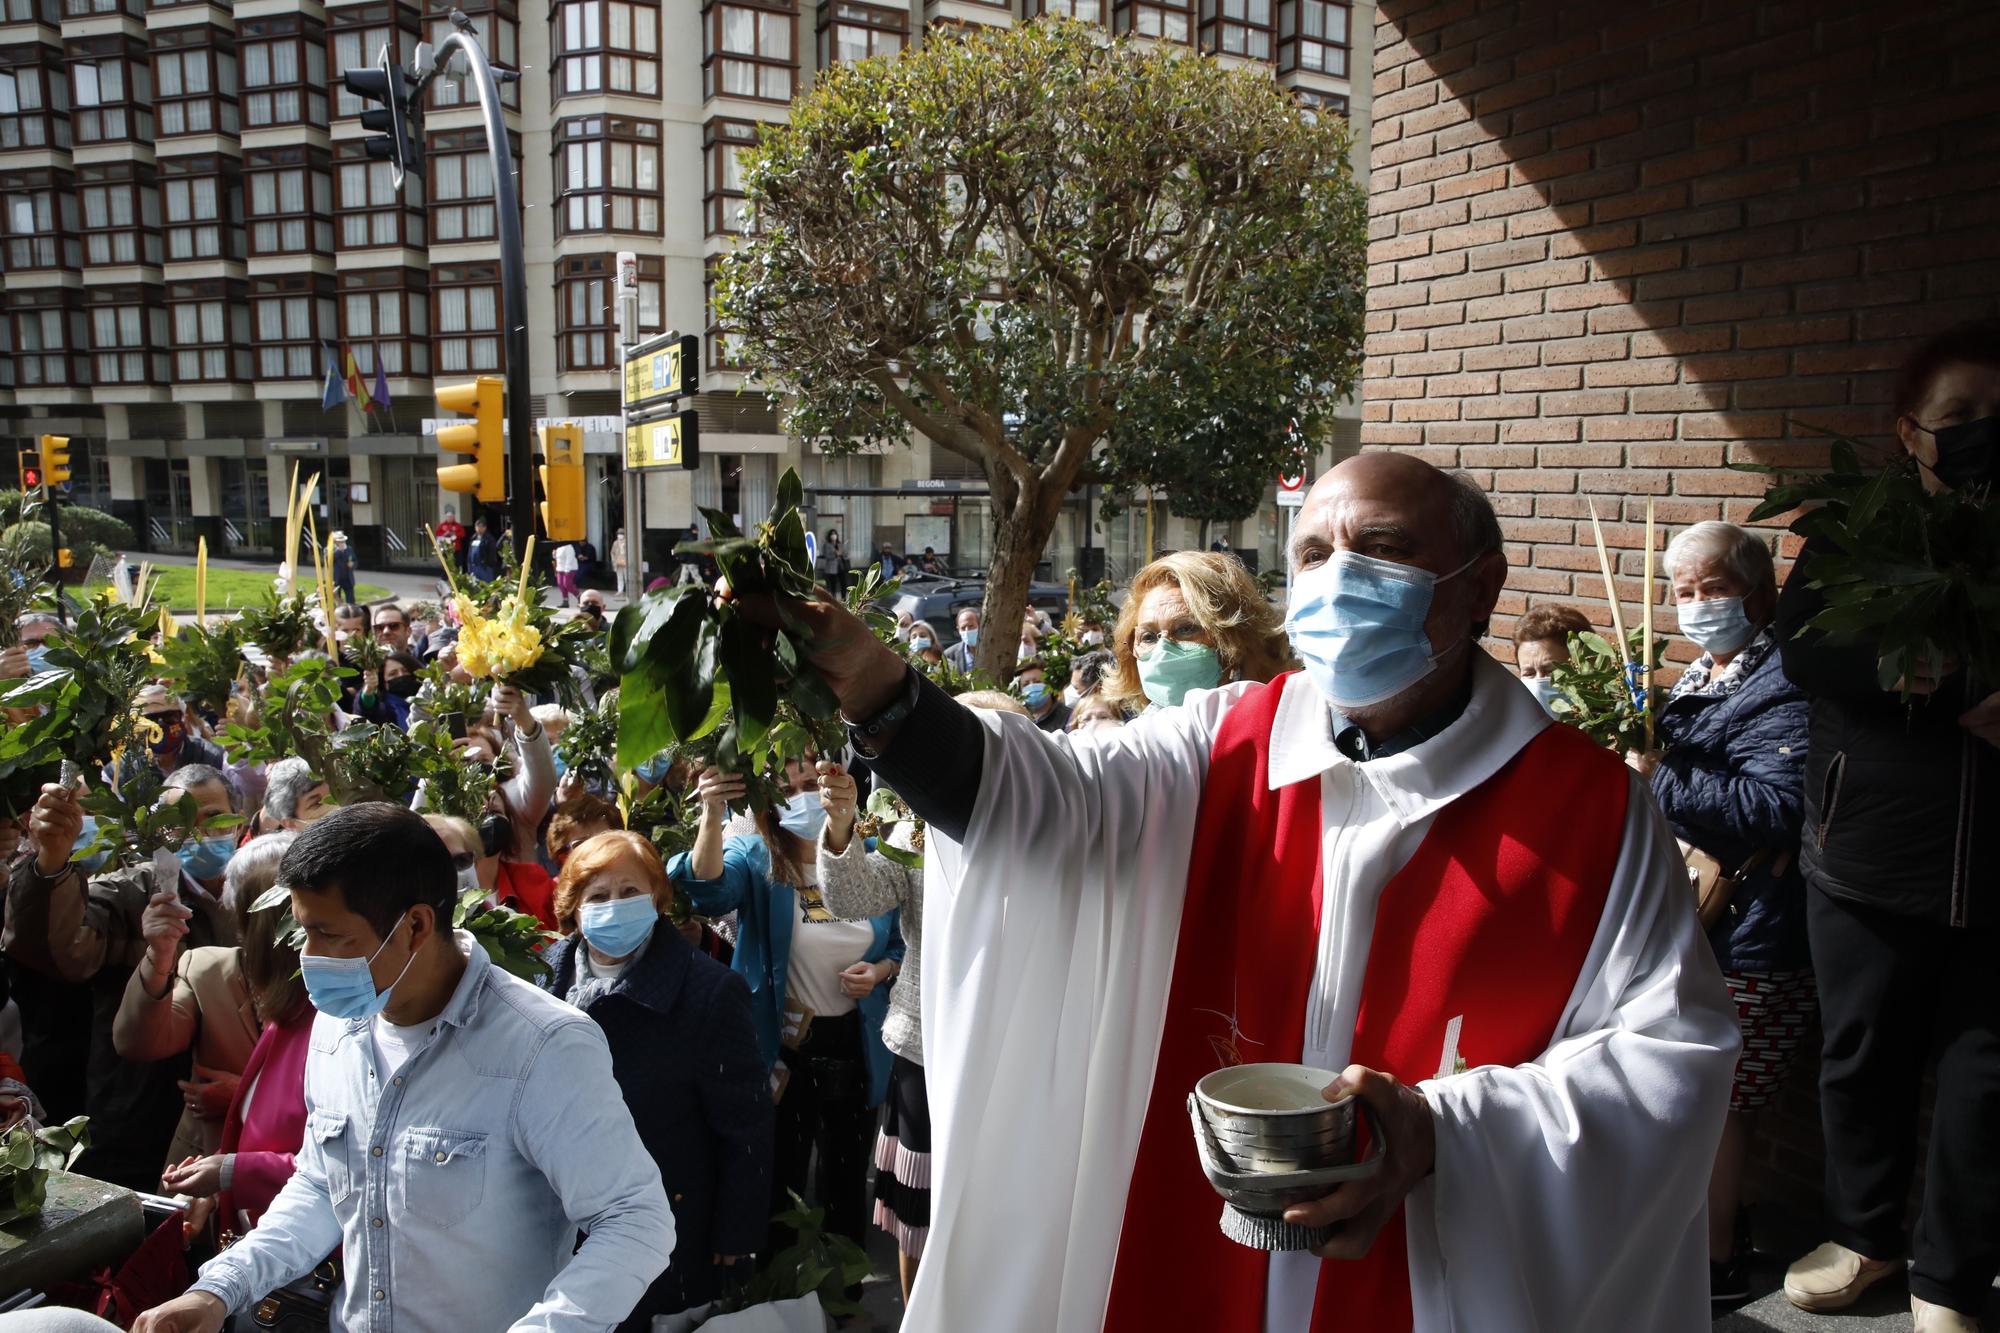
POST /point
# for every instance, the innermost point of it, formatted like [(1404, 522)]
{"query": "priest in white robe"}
[(1391, 863)]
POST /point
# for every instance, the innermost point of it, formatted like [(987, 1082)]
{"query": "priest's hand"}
[(864, 673), (1359, 1209)]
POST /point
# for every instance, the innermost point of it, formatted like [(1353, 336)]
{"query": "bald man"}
[(1388, 863)]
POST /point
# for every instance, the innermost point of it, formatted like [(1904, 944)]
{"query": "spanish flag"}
[(357, 388)]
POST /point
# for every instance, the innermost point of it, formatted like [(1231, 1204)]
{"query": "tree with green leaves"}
[(1060, 258)]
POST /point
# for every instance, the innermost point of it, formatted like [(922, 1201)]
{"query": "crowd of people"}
[(761, 1014)]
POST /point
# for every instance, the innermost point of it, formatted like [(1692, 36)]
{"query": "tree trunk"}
[(1024, 518)]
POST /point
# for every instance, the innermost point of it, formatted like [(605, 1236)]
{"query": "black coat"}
[(1902, 804), (1732, 783), (685, 1055)]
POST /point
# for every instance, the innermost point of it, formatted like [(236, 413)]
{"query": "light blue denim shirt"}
[(456, 1188)]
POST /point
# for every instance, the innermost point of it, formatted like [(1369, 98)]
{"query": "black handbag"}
[(301, 1306)]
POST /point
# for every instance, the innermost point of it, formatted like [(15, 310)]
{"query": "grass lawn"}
[(227, 588)]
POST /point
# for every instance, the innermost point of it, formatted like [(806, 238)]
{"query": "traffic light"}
[(55, 460), (66, 558), (31, 470), (484, 437), (562, 483), (398, 121)]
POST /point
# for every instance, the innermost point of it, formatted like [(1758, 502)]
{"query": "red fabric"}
[(526, 887), (11, 1068), (1491, 920), (266, 1141), (153, 1274)]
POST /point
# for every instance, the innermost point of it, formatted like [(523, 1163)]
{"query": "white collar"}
[(1499, 719)]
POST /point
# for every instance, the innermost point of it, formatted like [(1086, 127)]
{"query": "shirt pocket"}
[(329, 1131), (444, 1174)]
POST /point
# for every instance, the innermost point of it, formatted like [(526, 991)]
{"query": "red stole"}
[(1490, 920)]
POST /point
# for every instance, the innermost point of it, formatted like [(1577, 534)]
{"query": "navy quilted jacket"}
[(1732, 782)]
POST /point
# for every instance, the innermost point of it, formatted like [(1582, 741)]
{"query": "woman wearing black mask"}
[(1902, 795), (389, 705)]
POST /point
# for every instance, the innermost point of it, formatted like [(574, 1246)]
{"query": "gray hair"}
[(254, 869), (1090, 669), (284, 783), (1475, 525), (189, 776), (1741, 552), (27, 618)]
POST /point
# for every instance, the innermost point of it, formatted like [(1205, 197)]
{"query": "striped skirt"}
[(903, 1160)]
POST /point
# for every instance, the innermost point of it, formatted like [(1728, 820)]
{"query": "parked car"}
[(937, 601)]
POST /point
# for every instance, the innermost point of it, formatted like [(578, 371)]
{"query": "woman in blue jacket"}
[(1731, 781), (819, 988)]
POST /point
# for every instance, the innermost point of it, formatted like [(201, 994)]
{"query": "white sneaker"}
[(1833, 1277), (1939, 1319)]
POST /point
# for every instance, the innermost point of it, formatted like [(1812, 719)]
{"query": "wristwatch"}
[(868, 734)]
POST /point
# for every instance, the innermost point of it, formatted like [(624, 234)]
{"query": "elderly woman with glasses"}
[(1193, 620), (1730, 778), (684, 1052)]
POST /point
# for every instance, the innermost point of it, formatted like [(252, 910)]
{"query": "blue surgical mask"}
[(1171, 670), (38, 660), (918, 644), (1358, 625), (1545, 692), (971, 637), (207, 858), (344, 988), (620, 928), (1717, 625), (1034, 694), (655, 769), (803, 815)]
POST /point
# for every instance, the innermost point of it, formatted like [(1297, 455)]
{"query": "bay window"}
[(357, 34), (587, 314), (128, 336), (121, 213), (606, 46), (49, 339), (497, 24), (111, 89), (203, 200), (290, 195), (386, 313), (749, 52), (284, 71), (373, 212), (459, 172), (38, 217), (194, 72), (608, 175), (211, 332), (723, 142), (466, 301), (849, 30), (34, 99), (1083, 11), (1313, 36), (291, 318), (1236, 28)]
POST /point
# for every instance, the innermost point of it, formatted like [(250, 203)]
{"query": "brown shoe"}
[(1939, 1319), (1833, 1277)]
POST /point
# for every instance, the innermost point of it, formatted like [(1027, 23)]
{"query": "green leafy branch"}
[(27, 1155), (95, 669), (513, 940), (1597, 691), (885, 814), (819, 1262)]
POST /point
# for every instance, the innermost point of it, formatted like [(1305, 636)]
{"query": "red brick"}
[(1397, 296), (1395, 201), (1686, 282), (1629, 428), (1462, 432), (1585, 403), (1539, 379), (1434, 118), (1586, 295), (1448, 214), (1719, 481), (1502, 358), (1574, 558), (1792, 332), (1579, 349), (1475, 182), (1635, 263), (1731, 426), (1428, 363), (1403, 247), (1560, 480), (1449, 386), (1680, 342), (1473, 233), (1589, 129), (1389, 344), (1732, 246), (1742, 184), (1503, 203), (1674, 456), (1504, 307), (1541, 529), (1692, 222), (1530, 432), (1427, 410), (1407, 99), (1930, 317), (1541, 327), (1652, 370), (1629, 481), (1580, 455), (1544, 220), (1640, 203), (1553, 112), (1554, 273), (1787, 454), (1443, 168), (1375, 432), (1431, 266), (1507, 254), (1593, 240), (1431, 316), (1529, 170), (1733, 306), (1633, 318), (1704, 161), (1500, 407), (1675, 398), (1376, 321), (1466, 335), (1791, 393), (1791, 270), (1735, 366), (1497, 456)]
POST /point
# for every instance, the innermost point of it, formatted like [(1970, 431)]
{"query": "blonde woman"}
[(1193, 620)]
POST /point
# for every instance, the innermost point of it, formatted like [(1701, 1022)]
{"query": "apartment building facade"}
[(191, 232)]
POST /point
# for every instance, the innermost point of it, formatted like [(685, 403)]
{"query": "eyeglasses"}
[(464, 861), (382, 625)]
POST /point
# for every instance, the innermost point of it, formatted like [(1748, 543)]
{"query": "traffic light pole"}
[(513, 285), (49, 507)]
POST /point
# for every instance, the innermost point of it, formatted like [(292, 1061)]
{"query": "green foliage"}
[(294, 719), (282, 625), (886, 811), (819, 1262), (1911, 574), (1598, 692), (1181, 250), (96, 668), (133, 821), (27, 1155), (443, 695), (203, 666), (21, 588), (88, 533), (952, 681), (452, 784), (514, 941), (1094, 602), (664, 817), (589, 744), (368, 762)]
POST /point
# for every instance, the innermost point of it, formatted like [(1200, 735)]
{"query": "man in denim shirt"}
[(462, 1126)]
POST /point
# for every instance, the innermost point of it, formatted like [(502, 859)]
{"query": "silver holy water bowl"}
[(1268, 1139)]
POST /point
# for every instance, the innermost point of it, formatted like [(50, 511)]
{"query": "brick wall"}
[(1616, 246)]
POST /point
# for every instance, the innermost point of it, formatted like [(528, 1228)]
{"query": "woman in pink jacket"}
[(266, 1120)]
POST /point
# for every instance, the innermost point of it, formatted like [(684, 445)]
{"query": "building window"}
[(606, 46), (291, 201), (111, 90), (195, 71), (750, 52), (359, 32), (850, 31), (1168, 20), (1312, 36), (203, 197), (608, 175), (46, 335), (34, 104), (1311, 99), (587, 309), (723, 143), (373, 212), (1236, 28), (211, 332), (459, 171), (40, 216), (498, 28), (290, 318), (128, 337), (1084, 11), (31, 11), (284, 72), (466, 298), (121, 214), (386, 312), (724, 348), (83, 9)]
